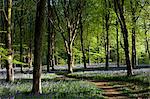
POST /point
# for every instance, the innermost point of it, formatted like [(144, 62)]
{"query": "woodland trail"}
[(110, 92)]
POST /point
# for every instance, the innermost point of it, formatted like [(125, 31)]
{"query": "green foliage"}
[(94, 31), (144, 59), (3, 54)]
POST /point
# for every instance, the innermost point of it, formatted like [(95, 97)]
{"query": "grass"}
[(134, 86), (52, 89), (132, 90), (137, 79)]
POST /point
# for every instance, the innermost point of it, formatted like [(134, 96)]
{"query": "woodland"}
[(74, 49)]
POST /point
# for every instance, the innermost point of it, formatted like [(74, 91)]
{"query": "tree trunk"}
[(2, 34), (56, 60), (30, 52), (70, 59), (107, 45), (118, 4), (21, 43), (0, 61), (107, 32), (117, 40), (9, 64), (133, 48), (51, 41), (21, 37), (147, 51), (1, 25), (39, 30), (82, 42), (51, 38), (133, 35), (53, 48), (89, 61), (30, 42)]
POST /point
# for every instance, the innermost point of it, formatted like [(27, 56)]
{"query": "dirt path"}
[(110, 92)]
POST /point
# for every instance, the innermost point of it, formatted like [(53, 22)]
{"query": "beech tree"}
[(9, 64), (107, 24), (39, 31), (51, 37), (119, 9), (68, 24), (81, 33), (21, 24)]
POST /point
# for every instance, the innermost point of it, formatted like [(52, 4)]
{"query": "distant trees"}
[(68, 23), (79, 31)]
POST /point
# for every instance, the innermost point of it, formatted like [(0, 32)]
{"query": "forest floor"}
[(94, 82), (110, 91)]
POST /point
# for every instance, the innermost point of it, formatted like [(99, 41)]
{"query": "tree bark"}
[(107, 4), (89, 60), (69, 25), (117, 40), (107, 44), (133, 35), (51, 37), (118, 4), (82, 42), (39, 31), (9, 64), (70, 60), (147, 51), (30, 43), (21, 37)]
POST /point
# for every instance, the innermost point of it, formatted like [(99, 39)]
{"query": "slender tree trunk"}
[(147, 51), (9, 64), (119, 12), (2, 38), (107, 45), (98, 46), (0, 45), (30, 43), (30, 54), (39, 31), (133, 48), (133, 35), (53, 48), (89, 61), (21, 47), (117, 40), (82, 42), (88, 50), (51, 38), (70, 59), (107, 32), (21, 37)]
